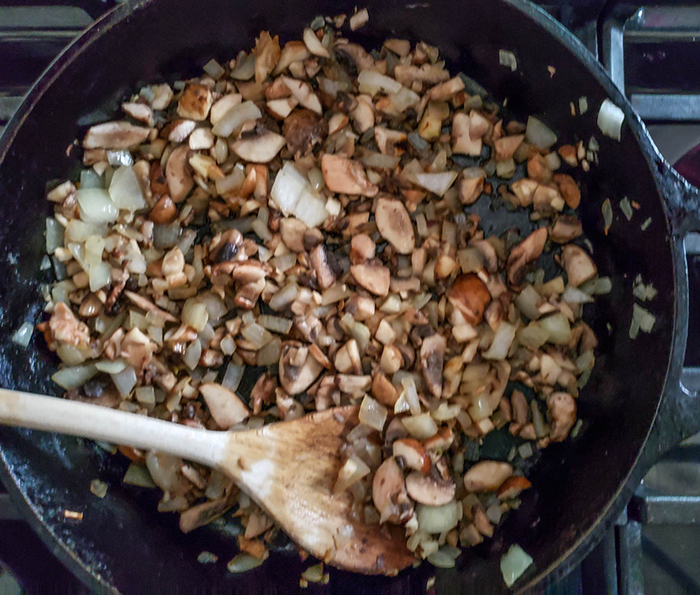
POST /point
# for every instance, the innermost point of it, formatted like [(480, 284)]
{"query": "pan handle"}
[(678, 417)]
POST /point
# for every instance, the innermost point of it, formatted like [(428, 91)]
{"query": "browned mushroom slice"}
[(430, 125), (358, 54), (297, 369), (387, 140), (267, 54), (201, 139), (432, 360), (524, 190), (561, 408), (178, 175), (447, 90), (430, 490), (224, 405), (353, 385), (303, 129), (202, 514), (140, 111), (178, 130), (346, 176), (347, 359), (430, 74), (470, 296), (292, 231), (145, 304), (319, 261), (394, 223), (375, 278), (462, 142), (506, 146), (578, 265), (114, 135), (489, 253), (261, 148), (413, 454), (521, 410), (525, 252), (512, 487), (569, 189), (281, 108), (384, 391), (471, 184), (565, 229), (487, 476), (546, 200), (159, 96), (195, 102), (304, 94), (65, 327), (363, 114), (389, 493), (362, 248)]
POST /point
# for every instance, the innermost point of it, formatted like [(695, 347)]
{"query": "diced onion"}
[(54, 235), (232, 377), (574, 295), (506, 58), (421, 427), (557, 325), (125, 190), (111, 367), (269, 354), (353, 470), (610, 119), (243, 563), (195, 314), (514, 563), (527, 302), (276, 324), (371, 82), (293, 195), (256, 334), (138, 475), (437, 183), (192, 354), (284, 297), (372, 413), (74, 376), (23, 335), (438, 519), (539, 134), (96, 206), (125, 381), (502, 341)]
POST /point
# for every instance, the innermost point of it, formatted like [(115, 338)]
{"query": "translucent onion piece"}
[(276, 324), (352, 470), (293, 195), (373, 413), (557, 325), (125, 190), (501, 342), (421, 427), (243, 563), (514, 563), (96, 206), (54, 235), (539, 134), (234, 118), (23, 335), (232, 377), (438, 519), (74, 376), (125, 380), (610, 119), (138, 475)]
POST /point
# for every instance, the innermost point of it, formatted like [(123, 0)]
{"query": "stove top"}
[(652, 54)]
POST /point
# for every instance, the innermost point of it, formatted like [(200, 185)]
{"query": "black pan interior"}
[(122, 542)]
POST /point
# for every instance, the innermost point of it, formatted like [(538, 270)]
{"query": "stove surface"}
[(653, 56)]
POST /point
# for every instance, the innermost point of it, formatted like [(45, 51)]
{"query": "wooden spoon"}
[(288, 468)]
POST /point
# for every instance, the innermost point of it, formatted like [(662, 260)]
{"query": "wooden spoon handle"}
[(100, 423)]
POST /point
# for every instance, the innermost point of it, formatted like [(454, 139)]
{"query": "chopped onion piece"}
[(557, 325), (125, 190), (353, 470), (610, 119), (23, 335), (506, 58), (234, 118), (138, 475), (293, 195), (438, 519), (514, 563), (626, 208), (125, 381), (243, 563), (574, 295), (96, 206), (502, 341), (232, 377), (74, 376), (111, 367), (539, 134), (54, 235), (372, 413), (421, 427), (276, 324), (192, 354)]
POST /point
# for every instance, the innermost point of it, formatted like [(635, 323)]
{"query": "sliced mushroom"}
[(506, 146), (225, 406), (145, 304), (521, 409), (487, 476), (159, 96), (547, 200), (203, 514), (223, 105), (361, 307), (346, 176), (362, 248), (429, 490), (471, 185), (293, 51), (462, 142), (447, 90), (177, 174), (389, 493), (413, 454), (303, 129), (66, 328), (512, 487), (114, 135), (267, 54), (201, 139), (565, 229), (292, 231), (524, 190), (394, 223), (525, 252), (353, 385), (304, 94), (347, 359), (383, 390), (140, 111), (261, 148), (363, 114), (298, 376), (387, 140), (482, 523), (561, 408), (470, 296), (375, 278), (441, 441), (578, 265), (430, 74), (569, 189), (318, 259), (432, 360), (195, 102)]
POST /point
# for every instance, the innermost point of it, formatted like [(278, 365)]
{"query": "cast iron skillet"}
[(634, 406)]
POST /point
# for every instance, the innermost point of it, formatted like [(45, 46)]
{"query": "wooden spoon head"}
[(290, 469)]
